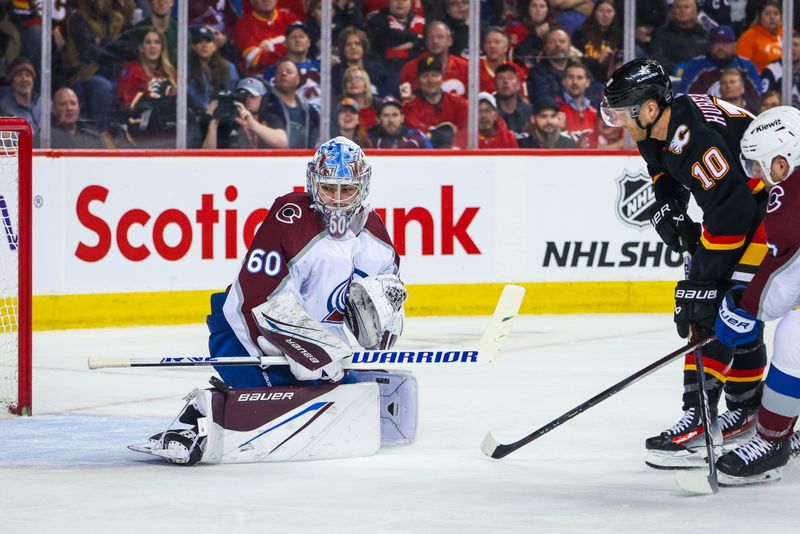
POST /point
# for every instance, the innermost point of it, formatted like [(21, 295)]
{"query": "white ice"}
[(67, 469)]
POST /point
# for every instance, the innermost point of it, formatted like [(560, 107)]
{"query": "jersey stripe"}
[(721, 242)]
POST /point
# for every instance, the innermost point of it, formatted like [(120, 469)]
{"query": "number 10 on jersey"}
[(714, 165)]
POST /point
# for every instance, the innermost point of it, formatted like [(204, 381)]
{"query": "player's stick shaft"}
[(492, 448), (493, 339), (705, 416)]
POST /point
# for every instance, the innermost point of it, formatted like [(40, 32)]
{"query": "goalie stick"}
[(491, 447), (493, 339)]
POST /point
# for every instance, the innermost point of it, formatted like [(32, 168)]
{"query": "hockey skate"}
[(756, 462), (737, 426), (183, 443), (795, 443), (683, 445), (182, 447)]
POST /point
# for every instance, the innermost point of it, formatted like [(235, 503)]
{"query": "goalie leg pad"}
[(292, 424), (276, 425), (398, 397)]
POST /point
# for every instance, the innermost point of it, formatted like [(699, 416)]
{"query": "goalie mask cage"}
[(15, 266)]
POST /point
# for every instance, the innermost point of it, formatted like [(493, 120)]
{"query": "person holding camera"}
[(234, 120), (209, 74)]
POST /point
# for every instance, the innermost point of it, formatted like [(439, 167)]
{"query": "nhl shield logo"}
[(635, 196)]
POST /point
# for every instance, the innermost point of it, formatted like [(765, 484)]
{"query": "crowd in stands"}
[(399, 72)]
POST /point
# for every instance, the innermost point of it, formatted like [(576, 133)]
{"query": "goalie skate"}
[(683, 446), (182, 447), (756, 462)]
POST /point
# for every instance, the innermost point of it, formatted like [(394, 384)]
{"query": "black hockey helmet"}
[(637, 81)]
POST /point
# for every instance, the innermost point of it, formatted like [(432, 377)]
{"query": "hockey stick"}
[(489, 345), (494, 449), (706, 484), (695, 482)]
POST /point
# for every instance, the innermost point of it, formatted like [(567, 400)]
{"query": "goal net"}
[(15, 287)]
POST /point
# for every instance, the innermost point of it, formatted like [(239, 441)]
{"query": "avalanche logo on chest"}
[(336, 302)]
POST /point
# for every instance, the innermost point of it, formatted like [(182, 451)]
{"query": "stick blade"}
[(697, 481), (489, 445), (100, 362), (505, 313)]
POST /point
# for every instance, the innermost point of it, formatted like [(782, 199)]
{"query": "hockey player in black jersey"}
[(691, 146)]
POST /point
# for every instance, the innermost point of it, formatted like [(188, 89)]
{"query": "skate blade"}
[(679, 460), (727, 481), (697, 482), (167, 454)]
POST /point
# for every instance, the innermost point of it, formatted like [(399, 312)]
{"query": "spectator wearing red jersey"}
[(443, 116), (396, 34), (580, 117), (492, 130), (260, 35), (495, 49), (512, 107), (356, 85), (438, 39), (527, 34), (391, 130)]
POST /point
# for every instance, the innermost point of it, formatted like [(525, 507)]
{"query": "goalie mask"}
[(776, 132), (338, 182)]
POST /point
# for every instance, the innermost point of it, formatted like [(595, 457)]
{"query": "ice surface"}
[(67, 469)]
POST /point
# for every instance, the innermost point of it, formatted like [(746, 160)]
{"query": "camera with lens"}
[(226, 110)]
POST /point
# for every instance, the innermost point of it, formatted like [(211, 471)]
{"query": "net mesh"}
[(9, 269)]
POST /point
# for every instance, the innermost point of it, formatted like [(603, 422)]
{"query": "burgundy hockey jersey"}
[(775, 289), (292, 251)]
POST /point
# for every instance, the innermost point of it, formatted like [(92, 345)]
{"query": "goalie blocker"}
[(223, 425)]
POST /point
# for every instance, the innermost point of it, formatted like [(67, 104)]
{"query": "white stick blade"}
[(489, 444), (695, 481), (99, 362), (502, 320)]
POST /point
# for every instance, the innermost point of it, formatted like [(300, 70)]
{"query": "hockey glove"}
[(695, 305), (736, 326), (674, 226)]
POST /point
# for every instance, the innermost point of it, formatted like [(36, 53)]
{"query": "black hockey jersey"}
[(701, 156)]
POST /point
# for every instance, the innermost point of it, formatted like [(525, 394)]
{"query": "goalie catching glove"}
[(313, 351), (374, 310)]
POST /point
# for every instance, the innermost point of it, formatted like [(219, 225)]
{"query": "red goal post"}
[(15, 266)]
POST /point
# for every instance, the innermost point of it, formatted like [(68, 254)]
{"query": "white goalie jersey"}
[(292, 251)]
